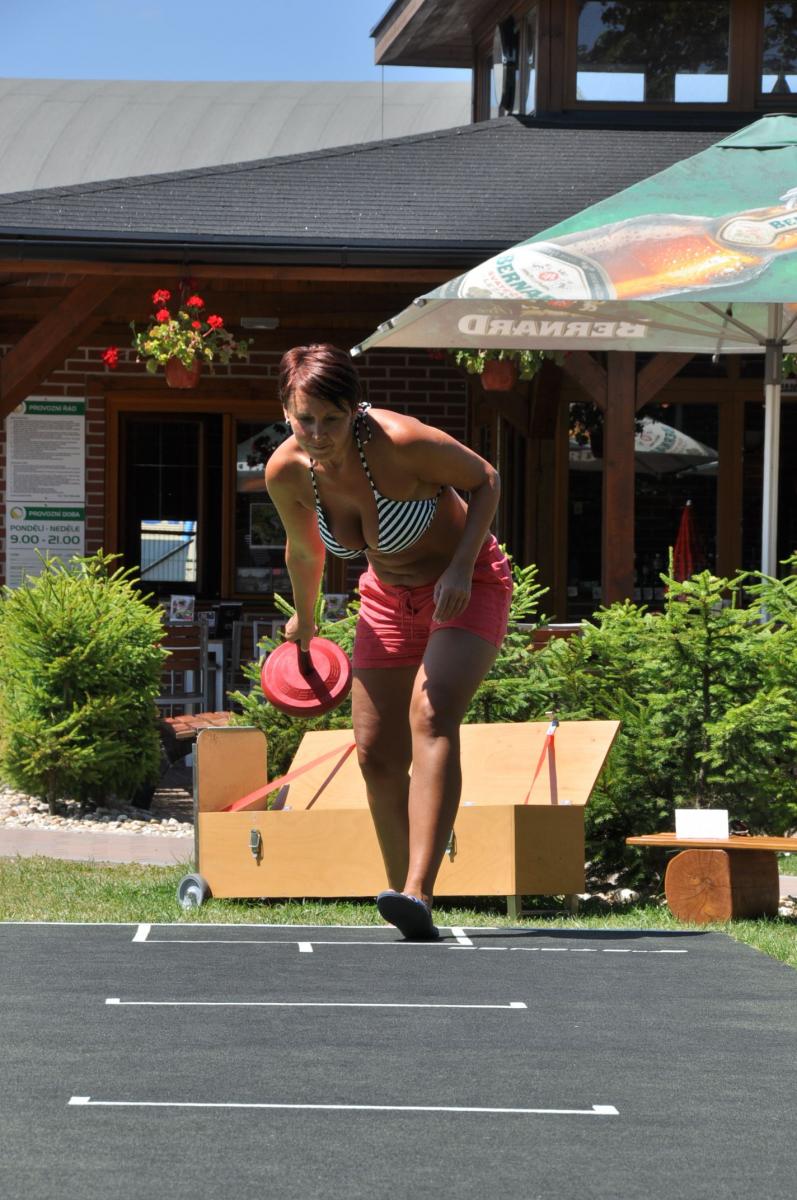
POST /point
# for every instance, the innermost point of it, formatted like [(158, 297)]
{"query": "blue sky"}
[(196, 39)]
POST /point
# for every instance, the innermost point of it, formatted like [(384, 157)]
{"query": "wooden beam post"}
[(730, 410), (617, 536), (590, 376), (656, 374), (547, 468), (46, 346)]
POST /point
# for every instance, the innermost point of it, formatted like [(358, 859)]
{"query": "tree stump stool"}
[(718, 879), (719, 885)]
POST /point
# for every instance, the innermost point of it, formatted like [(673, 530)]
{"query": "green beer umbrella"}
[(700, 258)]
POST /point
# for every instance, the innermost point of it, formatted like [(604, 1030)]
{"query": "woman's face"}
[(320, 428)]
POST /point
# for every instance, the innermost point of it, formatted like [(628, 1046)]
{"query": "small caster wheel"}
[(192, 891)]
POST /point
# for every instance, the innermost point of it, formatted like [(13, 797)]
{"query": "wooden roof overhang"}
[(433, 33), (51, 302)]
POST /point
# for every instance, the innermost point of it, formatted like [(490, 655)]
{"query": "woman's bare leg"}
[(380, 714), (453, 667)]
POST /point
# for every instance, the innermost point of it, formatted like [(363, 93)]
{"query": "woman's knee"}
[(383, 757), (434, 714)]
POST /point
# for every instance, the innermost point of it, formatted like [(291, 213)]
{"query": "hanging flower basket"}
[(178, 375), (500, 370), (499, 375), (172, 338)]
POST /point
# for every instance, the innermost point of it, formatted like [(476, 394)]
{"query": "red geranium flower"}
[(215, 322), (161, 296), (163, 315), (195, 302), (111, 357), (196, 324)]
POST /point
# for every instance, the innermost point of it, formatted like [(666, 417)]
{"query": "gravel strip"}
[(170, 815)]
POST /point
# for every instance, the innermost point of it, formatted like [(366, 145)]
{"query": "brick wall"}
[(411, 382)]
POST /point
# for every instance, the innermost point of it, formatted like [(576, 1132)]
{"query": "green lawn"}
[(45, 889)]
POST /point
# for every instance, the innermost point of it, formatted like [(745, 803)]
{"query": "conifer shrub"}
[(80, 669), (706, 693)]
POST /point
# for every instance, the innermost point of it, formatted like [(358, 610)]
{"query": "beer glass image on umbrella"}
[(699, 259), (642, 257)]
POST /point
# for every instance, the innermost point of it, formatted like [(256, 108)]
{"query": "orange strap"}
[(548, 748), (276, 784)]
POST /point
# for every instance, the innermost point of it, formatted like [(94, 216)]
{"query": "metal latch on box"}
[(256, 844)]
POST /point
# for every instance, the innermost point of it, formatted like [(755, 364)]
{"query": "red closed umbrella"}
[(687, 555)]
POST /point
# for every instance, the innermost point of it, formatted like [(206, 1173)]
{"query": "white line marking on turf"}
[(508, 930), (588, 950), (596, 1110), (205, 925), (393, 945), (142, 933), (460, 935), (513, 1004), (305, 947)]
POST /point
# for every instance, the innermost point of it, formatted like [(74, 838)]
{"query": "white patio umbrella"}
[(658, 450), (699, 258)]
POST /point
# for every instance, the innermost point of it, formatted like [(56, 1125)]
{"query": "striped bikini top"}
[(400, 522)]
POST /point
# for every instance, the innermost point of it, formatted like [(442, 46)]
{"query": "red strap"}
[(547, 748), (275, 784)]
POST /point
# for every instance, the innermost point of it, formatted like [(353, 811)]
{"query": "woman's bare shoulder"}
[(287, 467), (403, 430), (429, 453)]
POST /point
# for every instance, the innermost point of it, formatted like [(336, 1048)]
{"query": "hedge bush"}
[(707, 695), (80, 669)]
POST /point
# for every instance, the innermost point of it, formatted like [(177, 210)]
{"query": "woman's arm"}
[(304, 550)]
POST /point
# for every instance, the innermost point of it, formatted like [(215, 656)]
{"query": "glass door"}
[(170, 501)]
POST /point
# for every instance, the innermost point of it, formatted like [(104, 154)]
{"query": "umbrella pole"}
[(773, 374)]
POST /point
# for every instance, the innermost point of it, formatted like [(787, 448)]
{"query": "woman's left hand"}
[(452, 593)]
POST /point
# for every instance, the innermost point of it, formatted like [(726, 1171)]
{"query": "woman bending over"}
[(435, 598)]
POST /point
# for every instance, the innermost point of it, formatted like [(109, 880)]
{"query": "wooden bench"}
[(179, 733), (718, 879)]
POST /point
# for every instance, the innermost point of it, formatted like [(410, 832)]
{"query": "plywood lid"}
[(498, 765)]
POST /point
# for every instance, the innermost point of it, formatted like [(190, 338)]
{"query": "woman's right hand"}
[(298, 631)]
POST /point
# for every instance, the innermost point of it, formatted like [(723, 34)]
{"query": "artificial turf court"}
[(187, 1061)]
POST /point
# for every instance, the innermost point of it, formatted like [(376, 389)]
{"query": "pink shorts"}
[(395, 623)]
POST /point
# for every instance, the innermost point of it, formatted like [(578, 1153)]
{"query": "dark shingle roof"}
[(471, 189)]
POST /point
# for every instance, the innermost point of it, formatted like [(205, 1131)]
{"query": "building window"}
[(504, 95), (528, 52), (648, 51), (779, 58), (170, 475)]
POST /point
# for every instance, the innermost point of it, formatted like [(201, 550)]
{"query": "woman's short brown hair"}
[(322, 372)]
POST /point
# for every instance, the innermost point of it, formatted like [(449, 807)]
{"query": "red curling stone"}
[(306, 683)]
